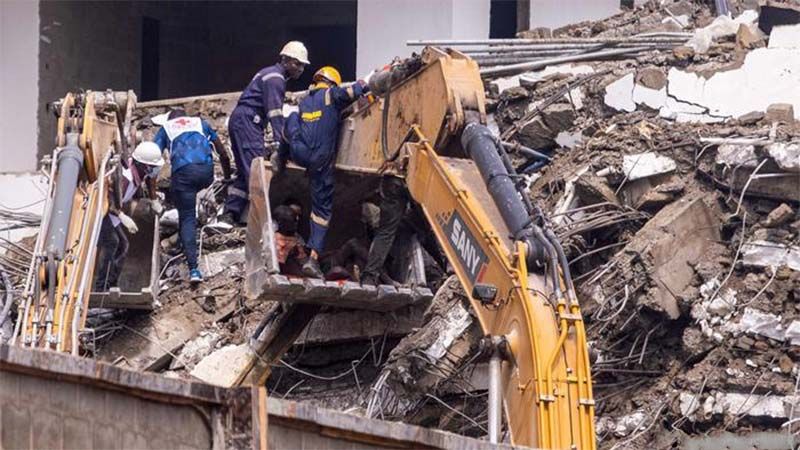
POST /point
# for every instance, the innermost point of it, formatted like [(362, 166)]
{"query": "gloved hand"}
[(157, 207), (128, 223)]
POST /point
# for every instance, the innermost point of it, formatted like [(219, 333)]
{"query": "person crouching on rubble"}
[(312, 135), (289, 245), (190, 140), (142, 169)]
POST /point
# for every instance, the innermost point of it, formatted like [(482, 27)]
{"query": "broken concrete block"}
[(793, 332), (535, 134), (619, 94), (592, 189), (785, 36), (630, 423), (768, 325), (779, 216), (747, 38), (689, 404), (737, 155), (754, 406), (760, 253), (559, 117), (786, 155), (222, 366), (643, 165), (651, 77), (780, 112), (751, 118)]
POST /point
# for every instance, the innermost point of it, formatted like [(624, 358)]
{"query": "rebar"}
[(522, 67)]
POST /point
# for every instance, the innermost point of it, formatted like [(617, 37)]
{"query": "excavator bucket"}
[(138, 281), (264, 278)]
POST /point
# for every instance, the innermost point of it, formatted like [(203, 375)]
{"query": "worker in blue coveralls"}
[(312, 133), (189, 140), (261, 101)]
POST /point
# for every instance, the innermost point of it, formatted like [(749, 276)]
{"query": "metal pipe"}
[(495, 396), (722, 7), (546, 41), (101, 189), (527, 151), (514, 68), (27, 291), (554, 47)]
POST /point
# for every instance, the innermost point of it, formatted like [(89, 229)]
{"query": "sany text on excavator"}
[(428, 127)]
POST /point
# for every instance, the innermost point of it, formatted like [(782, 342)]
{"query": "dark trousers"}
[(185, 183), (112, 245), (318, 163), (395, 199), (247, 144)]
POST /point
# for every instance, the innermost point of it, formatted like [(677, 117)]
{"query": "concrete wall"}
[(38, 413), (557, 13), (203, 47), (19, 49), (384, 26), (54, 400)]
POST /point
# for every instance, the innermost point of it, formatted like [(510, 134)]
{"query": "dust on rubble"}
[(685, 259)]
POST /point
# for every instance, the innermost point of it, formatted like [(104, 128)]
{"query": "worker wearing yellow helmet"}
[(312, 134)]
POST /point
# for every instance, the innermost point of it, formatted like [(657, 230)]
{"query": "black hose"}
[(539, 235), (563, 259)]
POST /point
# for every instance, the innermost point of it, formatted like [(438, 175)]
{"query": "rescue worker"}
[(261, 101), (189, 140), (112, 242), (396, 208), (312, 134)]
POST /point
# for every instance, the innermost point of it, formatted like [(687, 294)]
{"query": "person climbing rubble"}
[(312, 134), (260, 101), (142, 169), (190, 141)]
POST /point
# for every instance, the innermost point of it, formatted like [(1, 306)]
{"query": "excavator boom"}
[(428, 128)]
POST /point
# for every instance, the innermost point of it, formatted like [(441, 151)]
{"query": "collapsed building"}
[(671, 171)]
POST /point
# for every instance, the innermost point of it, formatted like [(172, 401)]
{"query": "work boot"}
[(278, 163), (369, 279), (311, 269)]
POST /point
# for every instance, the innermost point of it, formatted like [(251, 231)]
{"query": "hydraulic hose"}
[(485, 150)]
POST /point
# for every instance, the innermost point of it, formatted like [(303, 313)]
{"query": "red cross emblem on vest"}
[(182, 121)]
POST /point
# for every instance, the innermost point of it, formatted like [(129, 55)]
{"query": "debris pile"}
[(662, 145), (672, 179)]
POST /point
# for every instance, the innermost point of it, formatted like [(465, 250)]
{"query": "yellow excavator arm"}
[(55, 300), (428, 127)]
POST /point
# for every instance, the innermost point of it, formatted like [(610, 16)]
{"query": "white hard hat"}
[(160, 119), (148, 153), (296, 50)]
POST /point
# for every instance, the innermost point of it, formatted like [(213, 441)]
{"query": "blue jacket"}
[(264, 95), (316, 126), (189, 141)]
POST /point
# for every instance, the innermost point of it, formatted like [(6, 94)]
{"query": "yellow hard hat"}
[(329, 74)]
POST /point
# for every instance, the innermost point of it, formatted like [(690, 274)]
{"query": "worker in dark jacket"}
[(190, 140), (312, 134), (260, 102)]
